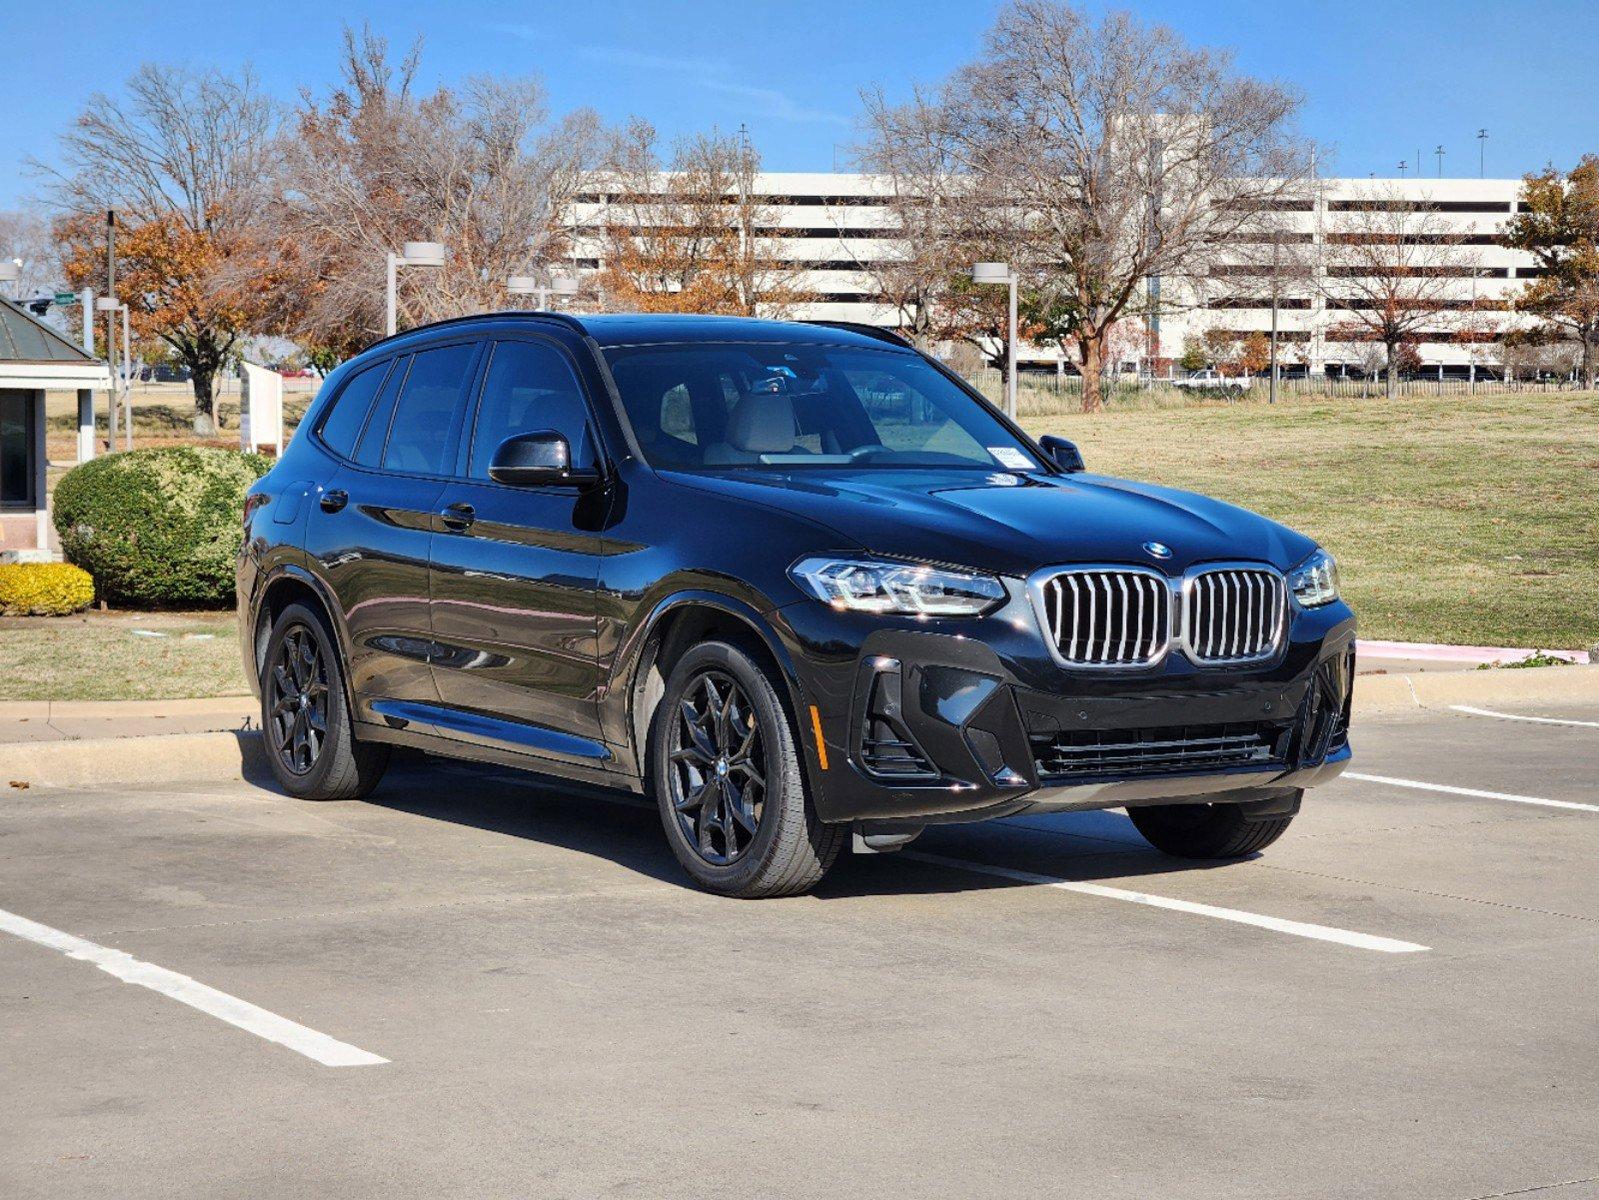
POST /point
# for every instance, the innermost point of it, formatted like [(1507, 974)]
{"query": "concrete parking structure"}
[(562, 1015)]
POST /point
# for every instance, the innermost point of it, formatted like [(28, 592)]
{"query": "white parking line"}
[(1488, 712), (1460, 791), (1320, 933), (240, 1013)]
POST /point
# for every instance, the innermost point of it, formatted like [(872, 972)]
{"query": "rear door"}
[(373, 524), (515, 571)]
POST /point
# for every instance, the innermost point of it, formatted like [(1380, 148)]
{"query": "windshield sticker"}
[(1009, 456)]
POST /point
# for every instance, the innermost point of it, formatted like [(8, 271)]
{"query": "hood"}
[(1013, 524)]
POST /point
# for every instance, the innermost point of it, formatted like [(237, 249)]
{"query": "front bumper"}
[(977, 720)]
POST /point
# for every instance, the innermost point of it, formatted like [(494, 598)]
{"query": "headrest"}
[(762, 424)]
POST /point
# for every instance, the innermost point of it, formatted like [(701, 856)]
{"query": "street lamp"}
[(110, 304), (1001, 273), (413, 254), (531, 285)]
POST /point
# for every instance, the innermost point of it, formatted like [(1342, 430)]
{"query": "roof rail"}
[(876, 332), (566, 319)]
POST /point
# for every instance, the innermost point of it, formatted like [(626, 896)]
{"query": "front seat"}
[(760, 423)]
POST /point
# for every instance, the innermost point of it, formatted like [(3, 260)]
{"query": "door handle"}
[(333, 501), (458, 517)]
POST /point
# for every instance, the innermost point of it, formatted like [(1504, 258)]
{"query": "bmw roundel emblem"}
[(1157, 550)]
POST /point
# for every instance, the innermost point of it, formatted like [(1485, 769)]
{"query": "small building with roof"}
[(35, 359)]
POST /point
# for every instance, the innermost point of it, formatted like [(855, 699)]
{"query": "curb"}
[(1437, 652), (112, 762), (229, 708), (1439, 689)]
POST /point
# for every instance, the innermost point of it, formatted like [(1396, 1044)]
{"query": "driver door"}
[(514, 571)]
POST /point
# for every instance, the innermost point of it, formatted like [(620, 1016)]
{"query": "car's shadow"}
[(626, 830)]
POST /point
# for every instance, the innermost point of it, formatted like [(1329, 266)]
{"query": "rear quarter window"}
[(342, 426)]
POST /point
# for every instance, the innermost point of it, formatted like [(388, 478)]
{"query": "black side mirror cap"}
[(1065, 453), (541, 459)]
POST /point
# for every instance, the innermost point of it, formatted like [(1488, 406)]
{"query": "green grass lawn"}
[(120, 656), (1459, 519)]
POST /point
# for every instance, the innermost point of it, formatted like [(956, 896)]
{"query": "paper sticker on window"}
[(1009, 456)]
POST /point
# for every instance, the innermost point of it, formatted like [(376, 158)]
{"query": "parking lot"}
[(519, 996)]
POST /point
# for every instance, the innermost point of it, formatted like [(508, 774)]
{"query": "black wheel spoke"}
[(297, 701), (717, 782)]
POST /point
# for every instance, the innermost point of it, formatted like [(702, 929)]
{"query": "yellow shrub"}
[(44, 589)]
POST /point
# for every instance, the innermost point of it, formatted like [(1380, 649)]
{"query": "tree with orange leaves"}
[(185, 159)]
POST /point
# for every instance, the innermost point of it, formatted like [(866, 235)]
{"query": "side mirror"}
[(538, 459), (1065, 453)]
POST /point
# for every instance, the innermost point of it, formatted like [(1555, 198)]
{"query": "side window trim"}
[(387, 367), (485, 364), (463, 401)]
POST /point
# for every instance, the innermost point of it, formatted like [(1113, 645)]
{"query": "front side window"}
[(529, 387), (793, 406), (419, 433)]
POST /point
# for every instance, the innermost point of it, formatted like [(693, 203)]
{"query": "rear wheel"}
[(311, 744), (1206, 830), (726, 773)]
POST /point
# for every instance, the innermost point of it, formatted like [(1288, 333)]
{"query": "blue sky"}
[(1381, 77)]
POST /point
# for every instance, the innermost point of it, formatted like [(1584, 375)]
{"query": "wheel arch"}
[(681, 621), (289, 584)]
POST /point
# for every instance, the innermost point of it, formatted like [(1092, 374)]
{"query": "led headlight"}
[(1314, 582), (909, 589)]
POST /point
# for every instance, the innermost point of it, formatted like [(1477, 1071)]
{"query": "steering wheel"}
[(862, 453)]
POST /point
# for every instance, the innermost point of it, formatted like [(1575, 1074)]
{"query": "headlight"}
[(1314, 582), (866, 585)]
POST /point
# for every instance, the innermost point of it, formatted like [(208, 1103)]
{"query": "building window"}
[(16, 450)]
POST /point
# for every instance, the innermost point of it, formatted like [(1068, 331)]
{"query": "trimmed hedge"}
[(159, 527), (46, 589)]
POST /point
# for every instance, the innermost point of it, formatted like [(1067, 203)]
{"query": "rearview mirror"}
[(1065, 453), (538, 460)]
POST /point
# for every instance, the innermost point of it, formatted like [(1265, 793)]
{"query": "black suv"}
[(796, 581)]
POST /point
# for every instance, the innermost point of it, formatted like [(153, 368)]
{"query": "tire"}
[(302, 686), (1206, 830), (725, 770)]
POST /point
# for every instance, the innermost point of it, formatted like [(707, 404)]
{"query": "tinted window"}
[(16, 449), (420, 431), (342, 425), (369, 450), (529, 387)]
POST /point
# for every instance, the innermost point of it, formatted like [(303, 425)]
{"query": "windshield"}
[(735, 406)]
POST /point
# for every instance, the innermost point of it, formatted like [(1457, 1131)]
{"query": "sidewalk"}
[(70, 720)]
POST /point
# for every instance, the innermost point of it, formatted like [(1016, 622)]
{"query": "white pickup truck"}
[(1210, 379)]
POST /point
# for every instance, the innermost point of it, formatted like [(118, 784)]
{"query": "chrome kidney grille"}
[(1234, 614), (1108, 618)]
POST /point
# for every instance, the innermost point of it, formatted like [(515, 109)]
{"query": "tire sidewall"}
[(314, 780), (777, 743)]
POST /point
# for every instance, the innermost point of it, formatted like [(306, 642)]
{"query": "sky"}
[(1381, 78)]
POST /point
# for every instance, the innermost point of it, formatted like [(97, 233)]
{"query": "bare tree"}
[(690, 234), (1106, 151), (25, 237), (1393, 272), (185, 159), (483, 169)]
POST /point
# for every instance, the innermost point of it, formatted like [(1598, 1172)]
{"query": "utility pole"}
[(1440, 153), (111, 315), (1401, 170), (1482, 152)]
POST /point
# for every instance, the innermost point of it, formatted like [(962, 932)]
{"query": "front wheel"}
[(1206, 830), (724, 765)]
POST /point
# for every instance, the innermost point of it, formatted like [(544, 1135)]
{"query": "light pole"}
[(997, 273), (10, 272), (1482, 151), (1440, 153), (413, 254), (111, 306), (531, 285)]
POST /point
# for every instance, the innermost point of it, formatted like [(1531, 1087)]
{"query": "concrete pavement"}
[(562, 1016)]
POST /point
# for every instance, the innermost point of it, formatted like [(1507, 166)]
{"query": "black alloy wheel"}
[(297, 700), (718, 768)]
